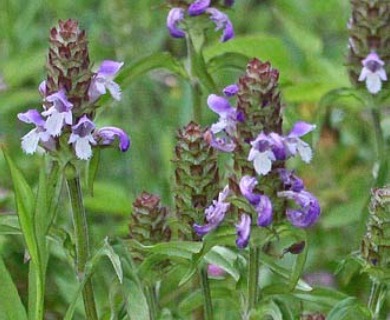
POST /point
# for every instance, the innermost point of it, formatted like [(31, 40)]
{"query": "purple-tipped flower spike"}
[(82, 138), (264, 211), (222, 21), (198, 7), (290, 180), (247, 184), (373, 73), (243, 231), (106, 136), (309, 212), (30, 140), (231, 90), (103, 80), (59, 114), (214, 214), (175, 16), (296, 145)]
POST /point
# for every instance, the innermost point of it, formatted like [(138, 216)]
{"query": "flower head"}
[(309, 210), (230, 90), (295, 144), (103, 80), (214, 214), (175, 16), (243, 231), (198, 7), (221, 21), (290, 180), (373, 73), (228, 116), (59, 114), (82, 138), (30, 140), (106, 136)]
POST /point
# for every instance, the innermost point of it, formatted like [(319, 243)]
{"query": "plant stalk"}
[(81, 238), (380, 179), (152, 301), (375, 302), (253, 278), (208, 305)]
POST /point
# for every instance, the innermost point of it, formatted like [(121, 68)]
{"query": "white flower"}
[(373, 73)]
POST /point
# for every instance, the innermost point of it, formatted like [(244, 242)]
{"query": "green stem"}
[(381, 148), (81, 238), (253, 278), (378, 293), (208, 305), (152, 301)]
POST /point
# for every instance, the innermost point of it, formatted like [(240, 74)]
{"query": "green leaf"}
[(160, 60), (9, 224), (136, 303), (224, 258), (230, 60), (268, 310), (349, 308), (11, 306)]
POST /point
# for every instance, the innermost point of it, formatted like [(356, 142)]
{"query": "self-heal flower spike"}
[(373, 73), (82, 138), (243, 231), (103, 81), (59, 114), (309, 211), (175, 16), (106, 136), (214, 214), (198, 7), (30, 140), (221, 21)]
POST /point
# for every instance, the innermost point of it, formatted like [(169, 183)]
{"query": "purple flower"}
[(30, 140), (243, 229), (107, 135), (103, 80), (59, 114), (224, 143), (42, 88), (261, 203), (221, 21), (228, 116), (373, 73), (247, 184), (198, 7), (309, 210), (175, 16), (296, 145), (231, 90), (264, 211), (214, 214), (82, 138), (215, 271), (290, 180), (266, 149)]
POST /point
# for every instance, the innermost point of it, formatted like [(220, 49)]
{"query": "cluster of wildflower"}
[(176, 18), (368, 43), (266, 153), (70, 93)]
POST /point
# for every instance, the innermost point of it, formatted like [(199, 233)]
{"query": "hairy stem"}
[(208, 305), (253, 277), (81, 238)]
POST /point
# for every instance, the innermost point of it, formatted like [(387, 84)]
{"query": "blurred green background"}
[(305, 39)]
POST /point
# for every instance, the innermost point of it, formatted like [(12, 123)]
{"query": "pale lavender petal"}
[(247, 184), (290, 180), (243, 231), (264, 211), (175, 16), (107, 135), (198, 7), (42, 88), (231, 90), (32, 116), (221, 21), (60, 101), (300, 129), (218, 104), (84, 127), (109, 68)]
